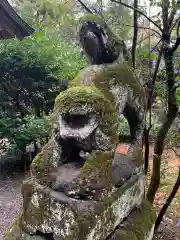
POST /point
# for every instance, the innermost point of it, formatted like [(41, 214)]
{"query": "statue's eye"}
[(76, 120)]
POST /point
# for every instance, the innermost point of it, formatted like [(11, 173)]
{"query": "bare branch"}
[(165, 16), (153, 34), (176, 21), (176, 45), (157, 66), (177, 32), (135, 34), (85, 7), (139, 11), (168, 201), (156, 45), (171, 115), (143, 27), (177, 154), (172, 14)]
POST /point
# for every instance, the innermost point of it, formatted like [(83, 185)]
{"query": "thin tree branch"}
[(150, 89), (85, 7), (165, 17), (177, 154), (149, 108), (176, 21), (157, 66), (176, 45), (133, 52), (153, 34), (177, 32), (143, 27), (156, 45), (139, 11), (168, 201), (172, 14)]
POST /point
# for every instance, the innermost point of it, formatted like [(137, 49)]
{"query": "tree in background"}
[(32, 72), (166, 22)]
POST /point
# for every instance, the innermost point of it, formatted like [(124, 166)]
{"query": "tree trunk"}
[(168, 202)]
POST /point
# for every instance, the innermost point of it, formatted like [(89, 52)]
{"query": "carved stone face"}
[(82, 130), (83, 119), (84, 127)]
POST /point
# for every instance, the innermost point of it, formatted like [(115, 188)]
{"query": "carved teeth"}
[(87, 190), (84, 154)]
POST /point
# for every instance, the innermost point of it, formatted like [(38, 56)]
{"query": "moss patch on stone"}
[(98, 168), (122, 235), (35, 206), (98, 160), (43, 163), (108, 76), (95, 175), (138, 224), (92, 100), (14, 232)]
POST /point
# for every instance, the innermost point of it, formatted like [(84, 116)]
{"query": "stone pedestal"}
[(47, 213)]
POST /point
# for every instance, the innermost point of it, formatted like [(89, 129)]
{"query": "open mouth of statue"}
[(74, 159), (76, 140), (78, 128)]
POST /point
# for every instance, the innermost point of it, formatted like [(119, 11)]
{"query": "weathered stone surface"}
[(139, 225), (123, 168), (47, 211)]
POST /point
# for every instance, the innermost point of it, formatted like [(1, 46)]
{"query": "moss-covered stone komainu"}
[(94, 100), (80, 188)]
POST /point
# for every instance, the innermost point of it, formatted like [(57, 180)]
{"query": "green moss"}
[(80, 95), (87, 221), (138, 224), (34, 215), (138, 157), (123, 235), (78, 79), (124, 75), (94, 76), (43, 163), (14, 231), (97, 172), (144, 219), (100, 164), (91, 100), (112, 75)]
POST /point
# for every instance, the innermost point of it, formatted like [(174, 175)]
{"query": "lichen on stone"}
[(138, 224), (14, 232), (45, 162)]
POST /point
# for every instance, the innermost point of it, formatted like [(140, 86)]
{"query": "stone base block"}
[(50, 213), (139, 225)]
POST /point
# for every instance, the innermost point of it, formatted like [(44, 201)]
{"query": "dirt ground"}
[(170, 227), (11, 200)]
